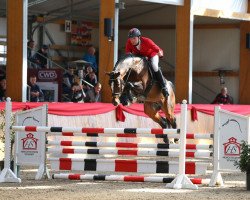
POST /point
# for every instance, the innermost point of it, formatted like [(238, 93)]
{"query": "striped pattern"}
[(125, 152), (95, 130), (117, 135), (129, 145), (118, 165), (125, 178), (137, 135)]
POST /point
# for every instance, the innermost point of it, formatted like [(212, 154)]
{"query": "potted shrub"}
[(12, 137), (244, 162)]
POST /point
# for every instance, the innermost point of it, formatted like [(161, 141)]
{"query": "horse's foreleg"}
[(154, 115)]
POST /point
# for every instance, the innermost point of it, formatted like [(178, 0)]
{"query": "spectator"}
[(78, 93), (91, 78), (93, 94), (2, 89), (223, 97), (41, 57), (68, 80), (32, 60), (35, 91), (90, 57)]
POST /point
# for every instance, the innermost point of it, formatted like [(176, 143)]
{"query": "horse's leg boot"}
[(162, 82)]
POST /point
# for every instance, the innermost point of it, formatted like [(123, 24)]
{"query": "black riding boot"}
[(159, 76)]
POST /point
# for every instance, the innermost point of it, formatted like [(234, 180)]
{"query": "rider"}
[(136, 44)]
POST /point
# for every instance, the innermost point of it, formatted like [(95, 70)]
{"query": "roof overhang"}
[(172, 2), (221, 14)]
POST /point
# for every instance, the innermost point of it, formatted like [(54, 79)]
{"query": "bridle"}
[(122, 82)]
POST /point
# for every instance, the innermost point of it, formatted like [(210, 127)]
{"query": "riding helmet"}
[(134, 32)]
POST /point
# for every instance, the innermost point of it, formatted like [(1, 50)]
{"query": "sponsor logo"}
[(232, 147), (30, 142), (46, 74)]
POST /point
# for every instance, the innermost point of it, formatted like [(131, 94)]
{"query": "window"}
[(3, 51)]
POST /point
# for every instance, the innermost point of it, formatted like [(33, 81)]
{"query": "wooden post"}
[(182, 51), (15, 32), (244, 73), (106, 56), (244, 90)]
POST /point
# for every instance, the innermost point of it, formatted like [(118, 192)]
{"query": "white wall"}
[(59, 37), (216, 48), (213, 49)]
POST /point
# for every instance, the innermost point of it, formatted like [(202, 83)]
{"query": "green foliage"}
[(2, 127), (244, 161)]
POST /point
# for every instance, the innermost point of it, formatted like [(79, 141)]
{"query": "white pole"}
[(7, 148), (24, 67), (216, 176), (183, 140), (181, 180), (191, 37)]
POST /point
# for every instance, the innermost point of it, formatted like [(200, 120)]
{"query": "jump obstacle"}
[(65, 148)]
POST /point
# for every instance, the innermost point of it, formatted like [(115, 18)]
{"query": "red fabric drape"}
[(194, 116), (76, 109), (119, 114)]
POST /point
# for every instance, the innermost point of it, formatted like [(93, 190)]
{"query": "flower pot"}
[(248, 176)]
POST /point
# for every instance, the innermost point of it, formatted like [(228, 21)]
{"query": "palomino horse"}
[(132, 77)]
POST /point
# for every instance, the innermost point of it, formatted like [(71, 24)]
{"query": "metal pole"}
[(116, 26), (191, 36), (25, 62), (182, 156)]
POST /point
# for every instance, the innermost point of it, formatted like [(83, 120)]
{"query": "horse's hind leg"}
[(154, 115), (168, 109)]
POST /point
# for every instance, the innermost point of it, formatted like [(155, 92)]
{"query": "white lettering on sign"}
[(47, 75)]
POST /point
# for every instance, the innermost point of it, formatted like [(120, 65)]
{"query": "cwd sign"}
[(47, 74)]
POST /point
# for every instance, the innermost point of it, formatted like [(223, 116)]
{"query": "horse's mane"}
[(126, 56)]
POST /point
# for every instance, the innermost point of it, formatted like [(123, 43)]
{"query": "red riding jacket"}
[(148, 48)]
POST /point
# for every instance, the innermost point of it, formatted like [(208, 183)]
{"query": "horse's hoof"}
[(127, 103), (174, 125), (166, 140)]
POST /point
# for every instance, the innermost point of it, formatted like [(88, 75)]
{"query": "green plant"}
[(244, 162), (2, 127)]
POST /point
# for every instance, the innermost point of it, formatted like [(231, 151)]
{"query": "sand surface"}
[(96, 190)]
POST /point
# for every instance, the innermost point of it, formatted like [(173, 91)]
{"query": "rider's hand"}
[(160, 53)]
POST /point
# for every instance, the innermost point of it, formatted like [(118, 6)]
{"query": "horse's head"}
[(125, 70), (116, 85)]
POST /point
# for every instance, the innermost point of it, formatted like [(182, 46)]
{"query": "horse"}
[(133, 78)]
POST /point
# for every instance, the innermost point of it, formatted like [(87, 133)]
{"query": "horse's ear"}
[(117, 74)]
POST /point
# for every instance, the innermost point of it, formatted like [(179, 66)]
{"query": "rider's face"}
[(134, 40)]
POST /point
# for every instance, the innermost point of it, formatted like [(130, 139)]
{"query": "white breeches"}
[(155, 63)]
